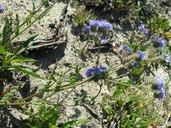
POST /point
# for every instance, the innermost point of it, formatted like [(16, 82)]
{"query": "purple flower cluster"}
[(2, 8), (92, 71), (143, 29), (160, 40), (135, 64), (99, 29), (142, 55), (160, 84), (125, 47), (167, 57), (101, 24)]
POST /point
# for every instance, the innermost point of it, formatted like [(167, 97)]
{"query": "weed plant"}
[(131, 101)]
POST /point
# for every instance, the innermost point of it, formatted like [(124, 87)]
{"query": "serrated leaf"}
[(26, 44), (2, 50), (20, 60), (73, 123), (25, 70)]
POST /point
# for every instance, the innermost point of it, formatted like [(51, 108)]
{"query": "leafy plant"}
[(82, 15)]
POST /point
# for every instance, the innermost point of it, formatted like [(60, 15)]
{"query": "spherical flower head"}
[(142, 56), (167, 57), (86, 28), (141, 27), (105, 24), (94, 23), (125, 47), (100, 69), (162, 93), (145, 31), (135, 64), (161, 42), (104, 41), (2, 8), (156, 37), (92, 71), (160, 82)]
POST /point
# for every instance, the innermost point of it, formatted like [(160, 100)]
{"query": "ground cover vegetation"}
[(135, 97)]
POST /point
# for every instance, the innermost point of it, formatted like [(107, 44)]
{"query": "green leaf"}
[(36, 102), (137, 71), (2, 50), (73, 123), (52, 126), (26, 44), (7, 31), (25, 70), (17, 25), (20, 60)]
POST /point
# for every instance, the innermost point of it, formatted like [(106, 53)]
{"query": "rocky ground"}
[(66, 55)]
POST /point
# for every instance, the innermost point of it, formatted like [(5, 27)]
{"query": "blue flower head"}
[(92, 71), (161, 42), (167, 57), (87, 28), (160, 82), (135, 64), (125, 47), (100, 69), (162, 93), (2, 8), (142, 56), (105, 24), (156, 37), (141, 27), (104, 41), (145, 31), (94, 23)]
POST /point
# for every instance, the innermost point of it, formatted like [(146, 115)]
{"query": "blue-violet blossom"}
[(87, 28), (160, 82), (156, 37), (2, 8), (141, 28), (135, 64), (125, 47), (160, 40), (94, 23), (101, 24), (167, 57), (142, 56), (104, 41), (162, 93), (92, 71)]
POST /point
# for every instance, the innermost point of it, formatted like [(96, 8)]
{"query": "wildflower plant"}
[(11, 60)]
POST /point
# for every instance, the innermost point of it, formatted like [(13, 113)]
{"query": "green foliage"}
[(158, 25), (73, 123), (45, 117), (82, 15), (130, 107)]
